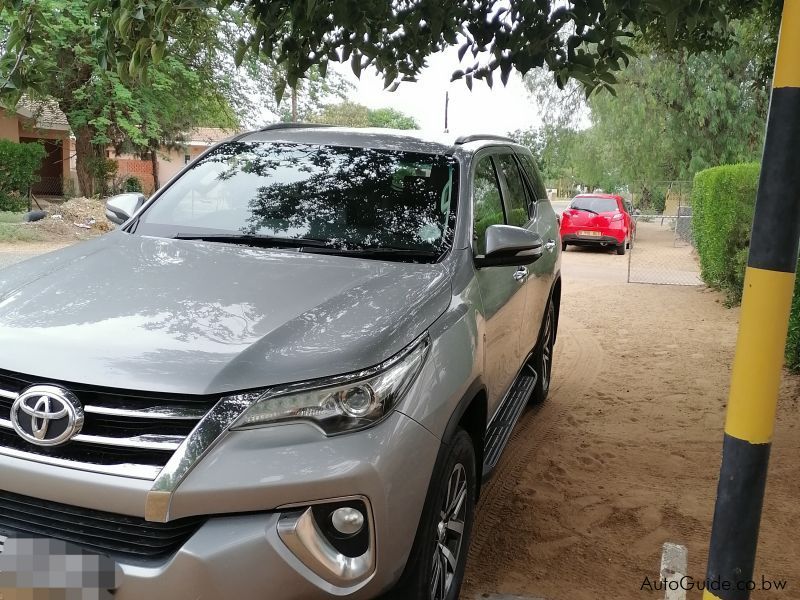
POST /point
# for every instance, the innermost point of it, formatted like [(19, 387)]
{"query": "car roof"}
[(414, 140)]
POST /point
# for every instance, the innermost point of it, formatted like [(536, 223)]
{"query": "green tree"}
[(344, 114), (352, 114), (391, 118), (554, 147), (588, 40), (64, 47), (673, 113)]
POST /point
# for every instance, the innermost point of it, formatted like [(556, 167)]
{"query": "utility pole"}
[(768, 287), (446, 109)]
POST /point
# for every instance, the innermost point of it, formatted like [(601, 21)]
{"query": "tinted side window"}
[(517, 200), (533, 176), (488, 209)]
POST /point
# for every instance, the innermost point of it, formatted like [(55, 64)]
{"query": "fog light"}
[(347, 521)]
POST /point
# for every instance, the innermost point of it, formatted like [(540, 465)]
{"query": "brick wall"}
[(143, 169)]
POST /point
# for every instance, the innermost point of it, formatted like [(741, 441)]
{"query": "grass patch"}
[(10, 217), (17, 232)]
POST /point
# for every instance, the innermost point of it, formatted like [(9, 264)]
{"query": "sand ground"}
[(625, 454)]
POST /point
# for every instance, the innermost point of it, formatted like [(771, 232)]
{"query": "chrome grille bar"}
[(8, 394), (152, 412), (145, 442), (134, 471), (124, 433)]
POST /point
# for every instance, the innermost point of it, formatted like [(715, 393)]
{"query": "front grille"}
[(124, 433), (118, 536)]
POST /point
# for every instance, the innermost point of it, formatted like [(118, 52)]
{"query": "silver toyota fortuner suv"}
[(286, 374)]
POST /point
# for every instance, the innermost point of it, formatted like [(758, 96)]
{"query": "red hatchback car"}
[(597, 220)]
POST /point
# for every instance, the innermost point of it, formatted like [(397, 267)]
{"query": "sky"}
[(499, 110)]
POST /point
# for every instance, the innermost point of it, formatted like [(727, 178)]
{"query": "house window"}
[(187, 158)]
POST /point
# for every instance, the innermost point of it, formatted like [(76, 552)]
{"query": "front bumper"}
[(235, 557), (245, 484)]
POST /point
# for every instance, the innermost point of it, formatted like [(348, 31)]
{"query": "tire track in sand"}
[(580, 363)]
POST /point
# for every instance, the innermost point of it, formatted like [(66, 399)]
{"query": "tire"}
[(543, 356), (563, 246), (454, 477), (621, 249)]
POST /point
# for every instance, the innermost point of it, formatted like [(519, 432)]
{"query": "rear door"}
[(503, 296), (543, 271)]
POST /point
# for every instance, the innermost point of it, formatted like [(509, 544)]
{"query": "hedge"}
[(722, 214), (723, 199), (19, 166)]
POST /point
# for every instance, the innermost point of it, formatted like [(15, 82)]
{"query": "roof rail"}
[(476, 137), (278, 126)]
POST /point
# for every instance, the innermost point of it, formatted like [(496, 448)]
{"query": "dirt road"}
[(625, 454), (14, 253)]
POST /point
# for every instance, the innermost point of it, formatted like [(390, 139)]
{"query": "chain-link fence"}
[(48, 186), (662, 251)]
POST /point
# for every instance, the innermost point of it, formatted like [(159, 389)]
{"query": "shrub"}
[(19, 167), (103, 171), (132, 184), (723, 199), (793, 339)]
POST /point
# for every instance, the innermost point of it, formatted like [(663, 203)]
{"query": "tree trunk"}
[(294, 104), (154, 163), (84, 153)]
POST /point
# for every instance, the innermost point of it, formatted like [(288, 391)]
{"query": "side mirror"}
[(510, 246), (120, 208)]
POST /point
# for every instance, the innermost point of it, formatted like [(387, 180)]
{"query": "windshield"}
[(349, 198), (593, 204)]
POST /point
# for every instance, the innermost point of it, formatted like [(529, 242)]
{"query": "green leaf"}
[(241, 49), (280, 89)]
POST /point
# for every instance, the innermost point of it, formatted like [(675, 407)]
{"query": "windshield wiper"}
[(375, 251), (589, 210), (264, 241)]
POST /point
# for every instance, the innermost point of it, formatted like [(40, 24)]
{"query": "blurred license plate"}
[(589, 233)]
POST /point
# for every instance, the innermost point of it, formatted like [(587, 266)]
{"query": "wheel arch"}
[(555, 294), (471, 415)]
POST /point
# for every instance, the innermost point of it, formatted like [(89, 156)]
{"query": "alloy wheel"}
[(449, 534), (547, 349)]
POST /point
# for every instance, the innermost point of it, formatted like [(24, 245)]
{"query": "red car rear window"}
[(597, 205)]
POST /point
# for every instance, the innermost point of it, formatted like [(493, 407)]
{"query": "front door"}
[(502, 293), (520, 213)]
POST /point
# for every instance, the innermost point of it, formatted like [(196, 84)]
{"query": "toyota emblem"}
[(47, 415)]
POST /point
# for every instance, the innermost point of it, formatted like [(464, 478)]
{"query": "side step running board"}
[(502, 425)]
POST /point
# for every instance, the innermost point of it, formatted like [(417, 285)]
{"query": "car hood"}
[(192, 317)]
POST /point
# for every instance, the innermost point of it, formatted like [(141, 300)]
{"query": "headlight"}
[(344, 403)]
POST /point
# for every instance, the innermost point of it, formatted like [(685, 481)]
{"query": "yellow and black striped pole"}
[(768, 287)]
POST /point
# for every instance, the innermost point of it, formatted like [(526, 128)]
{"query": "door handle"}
[(521, 274), (550, 245)]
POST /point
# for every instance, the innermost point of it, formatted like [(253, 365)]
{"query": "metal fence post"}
[(768, 287)]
